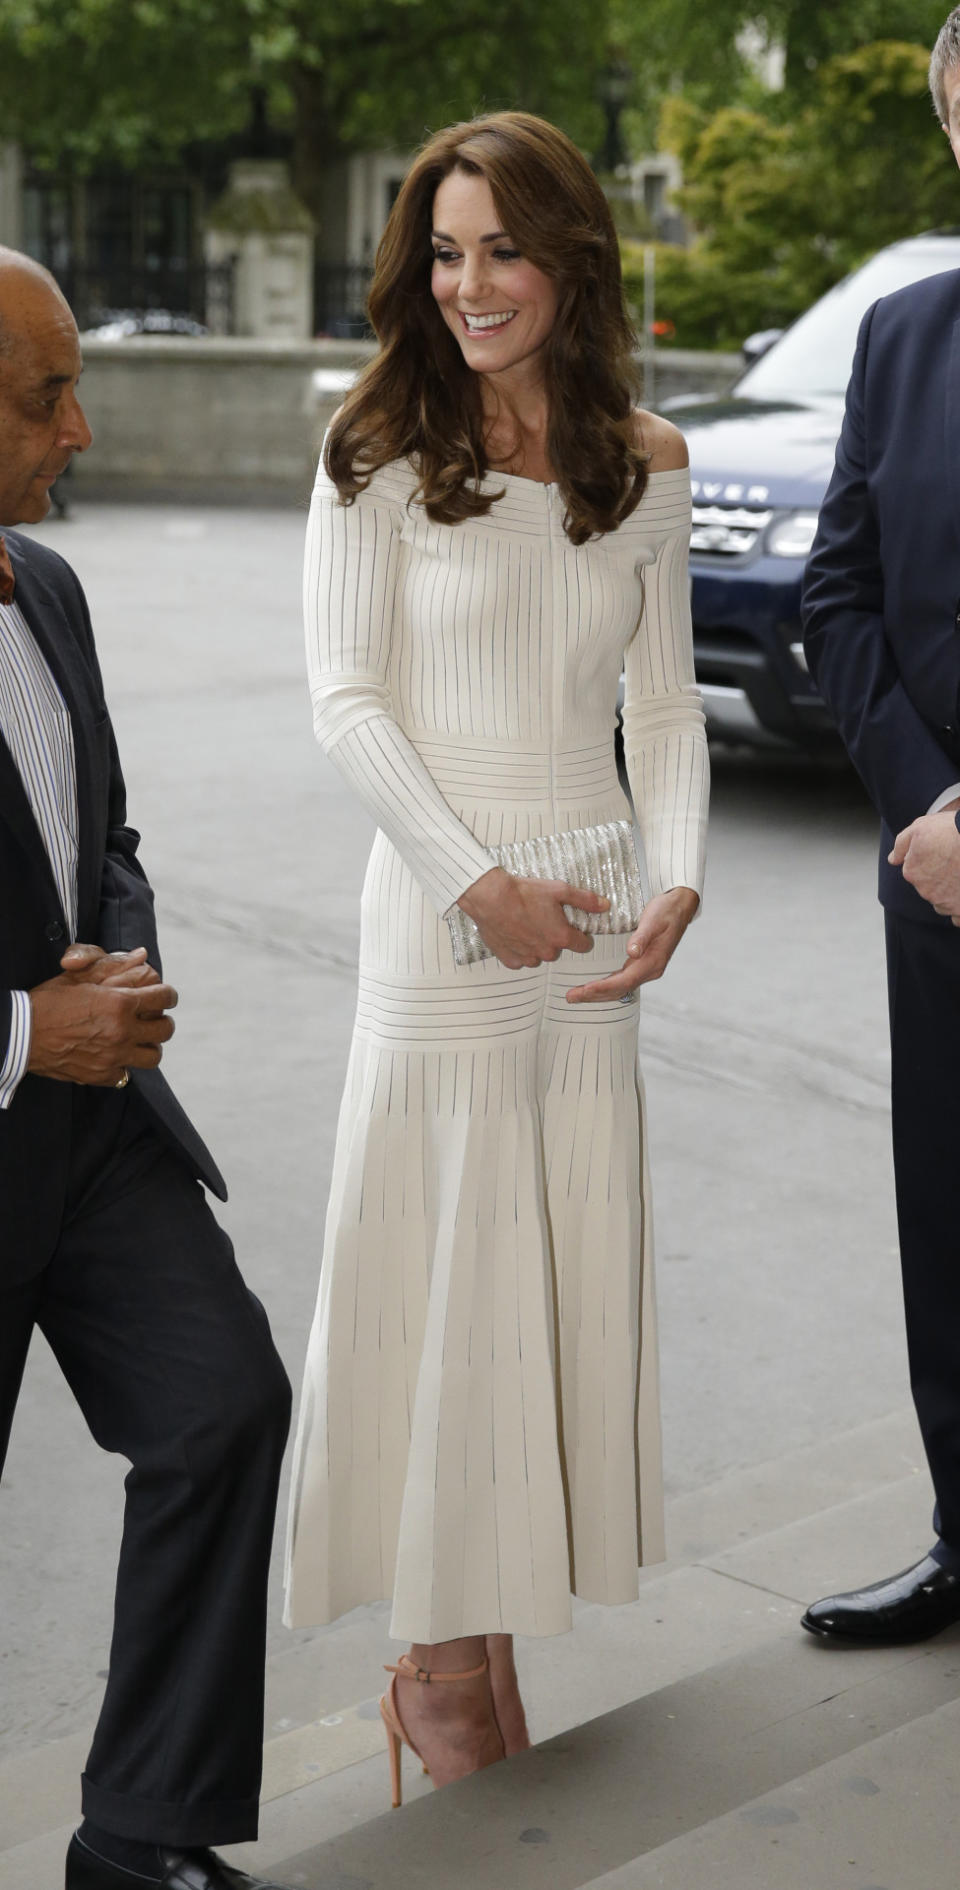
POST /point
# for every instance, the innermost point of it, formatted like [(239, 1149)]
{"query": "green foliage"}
[(710, 304), (815, 35), (890, 163), (677, 45), (784, 207), (682, 45), (93, 81)]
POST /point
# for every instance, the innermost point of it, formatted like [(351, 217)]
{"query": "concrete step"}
[(315, 1779), (885, 1817), (732, 1589), (626, 1784)]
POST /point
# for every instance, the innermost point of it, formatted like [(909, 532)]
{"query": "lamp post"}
[(614, 85)]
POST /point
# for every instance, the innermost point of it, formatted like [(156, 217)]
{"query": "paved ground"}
[(764, 1052)]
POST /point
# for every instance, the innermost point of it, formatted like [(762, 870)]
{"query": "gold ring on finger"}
[(122, 1080)]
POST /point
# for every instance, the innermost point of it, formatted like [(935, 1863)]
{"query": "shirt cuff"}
[(14, 1066), (949, 794)]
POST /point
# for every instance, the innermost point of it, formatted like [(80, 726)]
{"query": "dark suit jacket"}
[(882, 590), (115, 911)]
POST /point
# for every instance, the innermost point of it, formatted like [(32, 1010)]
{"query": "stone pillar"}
[(11, 196), (261, 227)]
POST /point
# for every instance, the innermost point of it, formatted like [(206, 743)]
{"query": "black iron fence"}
[(173, 299), (340, 293), (184, 299)]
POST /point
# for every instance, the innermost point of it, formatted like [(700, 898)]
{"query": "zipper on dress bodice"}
[(549, 652)]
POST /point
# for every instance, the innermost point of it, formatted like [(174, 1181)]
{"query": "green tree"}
[(680, 45), (89, 81), (814, 35), (784, 209)]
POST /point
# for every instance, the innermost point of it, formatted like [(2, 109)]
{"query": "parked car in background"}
[(118, 324), (761, 459)]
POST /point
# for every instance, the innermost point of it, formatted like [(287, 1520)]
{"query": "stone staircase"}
[(693, 1741)]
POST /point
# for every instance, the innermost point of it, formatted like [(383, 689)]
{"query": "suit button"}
[(55, 931)]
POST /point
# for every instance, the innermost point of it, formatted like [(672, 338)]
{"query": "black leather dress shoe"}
[(921, 1601), (182, 1870)]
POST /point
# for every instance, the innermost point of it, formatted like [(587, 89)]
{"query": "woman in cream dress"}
[(479, 1430)]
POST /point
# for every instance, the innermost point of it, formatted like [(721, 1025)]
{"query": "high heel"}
[(396, 1732)]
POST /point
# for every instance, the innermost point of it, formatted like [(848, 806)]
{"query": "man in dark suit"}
[(106, 1240), (882, 621)]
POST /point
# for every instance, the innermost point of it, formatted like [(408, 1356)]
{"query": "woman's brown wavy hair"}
[(419, 400)]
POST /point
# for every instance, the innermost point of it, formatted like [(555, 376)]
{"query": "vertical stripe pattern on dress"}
[(479, 1429)]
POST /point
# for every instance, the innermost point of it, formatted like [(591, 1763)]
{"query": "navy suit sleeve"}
[(127, 917), (896, 753)]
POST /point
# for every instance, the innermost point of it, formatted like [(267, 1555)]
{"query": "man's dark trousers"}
[(923, 975), (171, 1361)]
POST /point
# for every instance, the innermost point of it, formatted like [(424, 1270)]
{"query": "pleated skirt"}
[(479, 1432)]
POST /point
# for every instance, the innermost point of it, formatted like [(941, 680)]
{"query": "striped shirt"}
[(35, 724)]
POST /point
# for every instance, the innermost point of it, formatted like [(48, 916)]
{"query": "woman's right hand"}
[(522, 921)]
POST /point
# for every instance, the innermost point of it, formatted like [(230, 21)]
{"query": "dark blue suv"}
[(760, 461)]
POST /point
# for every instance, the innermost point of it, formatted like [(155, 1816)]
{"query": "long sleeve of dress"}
[(664, 736), (349, 594)]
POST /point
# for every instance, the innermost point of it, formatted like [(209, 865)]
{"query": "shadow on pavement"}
[(790, 787)]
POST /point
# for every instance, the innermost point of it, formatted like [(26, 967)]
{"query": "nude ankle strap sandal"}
[(396, 1732)]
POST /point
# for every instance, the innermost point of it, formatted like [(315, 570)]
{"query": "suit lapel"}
[(50, 625), (951, 419)]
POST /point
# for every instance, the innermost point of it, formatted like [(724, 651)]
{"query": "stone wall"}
[(209, 417), (221, 418), (682, 371)]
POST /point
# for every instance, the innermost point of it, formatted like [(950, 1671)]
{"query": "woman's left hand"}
[(649, 949)]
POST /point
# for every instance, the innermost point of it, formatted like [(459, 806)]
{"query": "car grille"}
[(726, 531)]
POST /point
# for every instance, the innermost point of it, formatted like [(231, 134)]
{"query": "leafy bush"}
[(784, 208), (711, 303)]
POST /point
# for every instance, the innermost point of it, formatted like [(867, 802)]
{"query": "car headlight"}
[(792, 535)]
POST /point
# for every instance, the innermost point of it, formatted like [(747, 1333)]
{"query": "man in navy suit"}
[(882, 636), (107, 1243)]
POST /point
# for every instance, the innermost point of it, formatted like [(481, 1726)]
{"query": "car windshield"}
[(816, 354)]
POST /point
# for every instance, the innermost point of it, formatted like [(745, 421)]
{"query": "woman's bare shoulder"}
[(663, 441)]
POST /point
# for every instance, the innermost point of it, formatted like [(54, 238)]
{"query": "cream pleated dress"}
[(479, 1429)]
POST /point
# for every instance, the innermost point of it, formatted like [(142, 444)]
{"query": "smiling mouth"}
[(486, 324)]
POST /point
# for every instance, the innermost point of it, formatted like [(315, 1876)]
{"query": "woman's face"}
[(500, 307)]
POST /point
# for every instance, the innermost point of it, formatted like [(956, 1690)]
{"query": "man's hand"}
[(929, 853), (89, 964), (90, 1027), (649, 949)]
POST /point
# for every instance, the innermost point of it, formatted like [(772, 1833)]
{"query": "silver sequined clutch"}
[(602, 859)]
